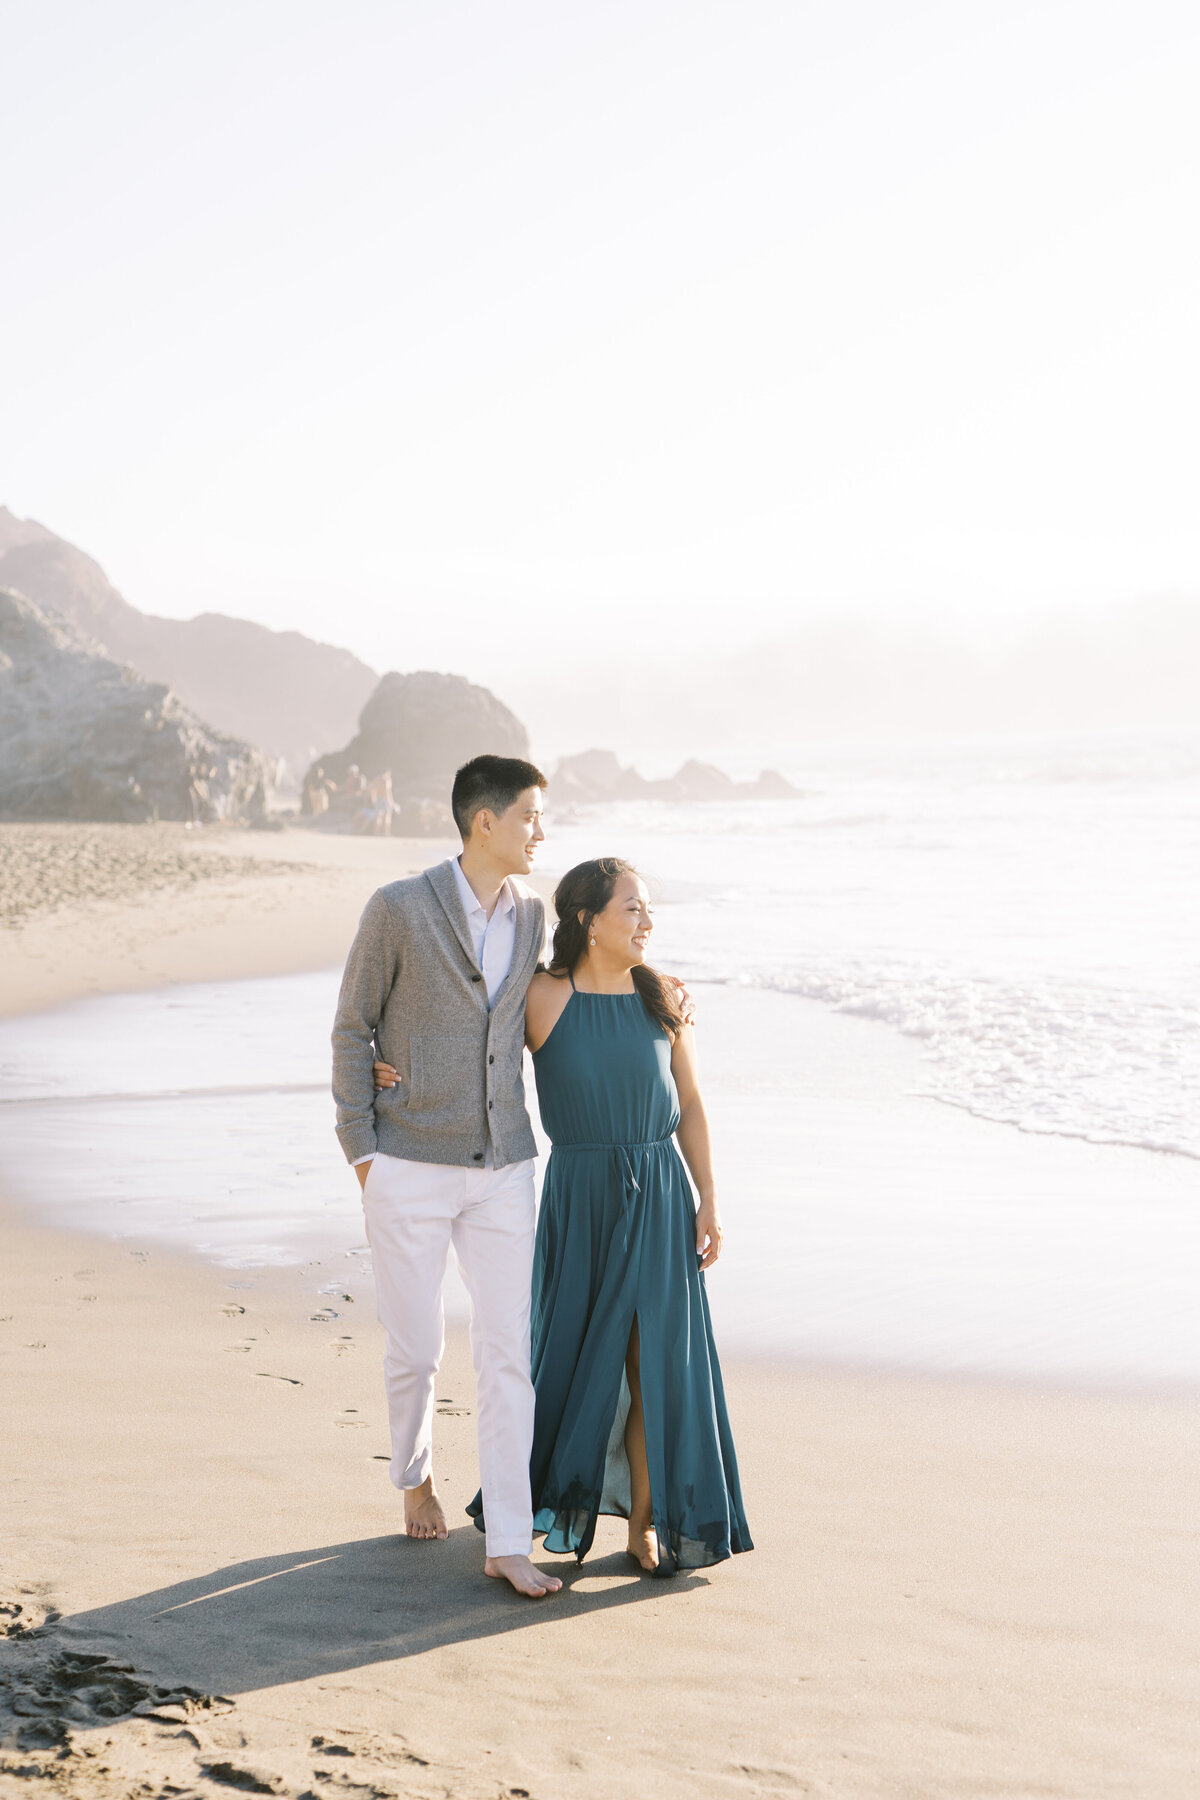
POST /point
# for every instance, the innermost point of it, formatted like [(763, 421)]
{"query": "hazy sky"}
[(641, 321)]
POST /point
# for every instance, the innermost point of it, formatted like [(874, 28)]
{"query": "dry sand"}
[(102, 909), (959, 1589)]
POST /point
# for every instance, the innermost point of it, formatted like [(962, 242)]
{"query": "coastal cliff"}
[(85, 737), (285, 692)]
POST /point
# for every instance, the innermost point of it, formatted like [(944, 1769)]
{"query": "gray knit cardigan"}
[(413, 994)]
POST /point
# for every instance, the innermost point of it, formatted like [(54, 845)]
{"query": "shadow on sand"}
[(335, 1607)]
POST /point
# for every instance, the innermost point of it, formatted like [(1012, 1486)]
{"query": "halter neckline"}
[(588, 994)]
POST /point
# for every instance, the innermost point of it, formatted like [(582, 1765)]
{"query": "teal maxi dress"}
[(616, 1241)]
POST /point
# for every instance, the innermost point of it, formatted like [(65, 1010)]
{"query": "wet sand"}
[(959, 1588)]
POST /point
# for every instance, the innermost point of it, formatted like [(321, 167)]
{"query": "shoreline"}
[(961, 1585), (924, 1241)]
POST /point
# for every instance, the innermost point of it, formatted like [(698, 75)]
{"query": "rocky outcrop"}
[(422, 727), (84, 737), (598, 775), (278, 689)]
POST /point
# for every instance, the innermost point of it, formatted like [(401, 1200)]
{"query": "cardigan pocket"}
[(444, 1070)]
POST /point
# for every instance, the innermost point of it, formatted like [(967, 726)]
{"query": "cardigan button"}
[(477, 1156), (477, 978)]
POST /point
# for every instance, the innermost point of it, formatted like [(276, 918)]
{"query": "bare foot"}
[(423, 1515), (643, 1547), (523, 1576)]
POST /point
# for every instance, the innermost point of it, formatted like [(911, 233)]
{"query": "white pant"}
[(414, 1212)]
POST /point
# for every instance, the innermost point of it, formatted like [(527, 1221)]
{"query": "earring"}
[(592, 942)]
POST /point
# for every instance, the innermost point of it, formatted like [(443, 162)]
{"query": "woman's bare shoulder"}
[(546, 992), (545, 982), (548, 995)]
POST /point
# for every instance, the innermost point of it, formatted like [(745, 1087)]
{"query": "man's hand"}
[(362, 1170), (687, 1005)]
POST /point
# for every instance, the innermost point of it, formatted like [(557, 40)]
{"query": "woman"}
[(630, 1409), (630, 1415)]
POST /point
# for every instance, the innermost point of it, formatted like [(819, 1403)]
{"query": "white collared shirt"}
[(494, 939)]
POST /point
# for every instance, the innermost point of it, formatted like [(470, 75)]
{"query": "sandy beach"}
[(960, 1588), (104, 909)]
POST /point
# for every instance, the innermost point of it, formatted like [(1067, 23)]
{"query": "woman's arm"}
[(696, 1145)]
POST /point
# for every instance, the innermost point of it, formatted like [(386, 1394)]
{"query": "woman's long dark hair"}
[(587, 889)]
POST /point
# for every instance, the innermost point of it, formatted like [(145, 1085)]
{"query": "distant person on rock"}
[(316, 792), (375, 818), (348, 794), (201, 805), (436, 982)]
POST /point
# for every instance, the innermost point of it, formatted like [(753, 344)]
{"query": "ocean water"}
[(1008, 930), (1027, 910), (197, 1117)]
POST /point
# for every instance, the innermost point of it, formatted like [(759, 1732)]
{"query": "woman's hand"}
[(708, 1234), (386, 1076)]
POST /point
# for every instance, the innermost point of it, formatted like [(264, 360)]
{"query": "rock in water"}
[(771, 785), (589, 775), (701, 781), (593, 775), (83, 737), (423, 727)]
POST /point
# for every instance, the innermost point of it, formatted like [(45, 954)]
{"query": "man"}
[(435, 984)]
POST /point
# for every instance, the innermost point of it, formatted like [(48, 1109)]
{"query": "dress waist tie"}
[(624, 1162)]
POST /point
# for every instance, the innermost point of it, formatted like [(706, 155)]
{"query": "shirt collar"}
[(506, 900)]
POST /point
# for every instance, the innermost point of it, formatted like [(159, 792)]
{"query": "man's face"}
[(512, 837)]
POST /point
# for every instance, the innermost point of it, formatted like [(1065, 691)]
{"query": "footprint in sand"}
[(288, 1380), (245, 1346), (52, 1686), (84, 1274), (20, 1618), (373, 1751), (350, 1421), (326, 1316), (250, 1780), (341, 1346), (231, 1310)]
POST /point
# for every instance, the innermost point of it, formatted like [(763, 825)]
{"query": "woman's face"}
[(622, 930)]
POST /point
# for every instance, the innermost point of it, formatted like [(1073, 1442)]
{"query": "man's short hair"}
[(494, 782)]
